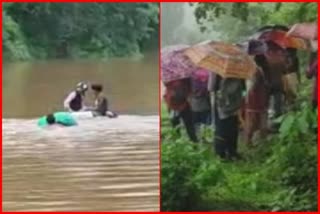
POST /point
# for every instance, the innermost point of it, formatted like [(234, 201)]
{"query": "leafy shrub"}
[(186, 175), (294, 162)]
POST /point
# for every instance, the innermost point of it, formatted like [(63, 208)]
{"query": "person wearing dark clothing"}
[(74, 101), (101, 102), (277, 61), (226, 136), (200, 100), (186, 116), (176, 98), (256, 107), (226, 105), (101, 107)]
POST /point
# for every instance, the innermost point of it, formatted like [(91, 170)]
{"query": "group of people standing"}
[(225, 102)]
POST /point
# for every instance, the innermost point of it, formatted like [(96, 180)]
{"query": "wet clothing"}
[(176, 98), (74, 101), (256, 106), (62, 118), (226, 135), (186, 116), (200, 103), (200, 98), (177, 93), (101, 106), (203, 117), (226, 105), (257, 97), (228, 96), (274, 77), (201, 108)]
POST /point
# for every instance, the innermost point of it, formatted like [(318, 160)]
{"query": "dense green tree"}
[(13, 39), (268, 13), (84, 29), (238, 20)]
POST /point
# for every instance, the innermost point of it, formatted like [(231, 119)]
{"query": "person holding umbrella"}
[(200, 99), (176, 71), (257, 98), (176, 98), (229, 66), (227, 103)]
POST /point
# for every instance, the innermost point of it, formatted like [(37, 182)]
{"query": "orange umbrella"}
[(227, 60)]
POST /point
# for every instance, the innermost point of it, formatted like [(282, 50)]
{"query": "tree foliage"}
[(13, 39), (268, 12), (237, 20), (83, 29)]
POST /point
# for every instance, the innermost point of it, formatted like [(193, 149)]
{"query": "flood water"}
[(101, 164)]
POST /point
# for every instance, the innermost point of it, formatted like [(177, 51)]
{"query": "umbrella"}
[(273, 27), (304, 30), (268, 28), (281, 38), (174, 64), (227, 60)]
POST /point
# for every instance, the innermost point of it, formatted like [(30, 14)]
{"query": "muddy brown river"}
[(101, 164)]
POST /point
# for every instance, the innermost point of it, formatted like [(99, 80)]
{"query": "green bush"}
[(187, 173), (294, 162), (280, 174)]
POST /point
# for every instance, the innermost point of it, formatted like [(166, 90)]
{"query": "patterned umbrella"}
[(227, 60), (174, 64)]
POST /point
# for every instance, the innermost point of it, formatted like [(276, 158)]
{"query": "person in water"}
[(58, 118), (74, 101), (101, 107)]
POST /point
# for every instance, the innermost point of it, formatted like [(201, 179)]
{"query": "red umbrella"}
[(283, 40)]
